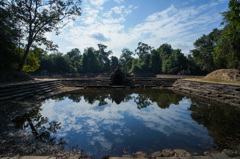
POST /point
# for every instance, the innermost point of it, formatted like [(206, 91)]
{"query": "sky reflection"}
[(116, 128)]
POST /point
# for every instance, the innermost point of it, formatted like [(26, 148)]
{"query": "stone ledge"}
[(29, 157), (224, 93)]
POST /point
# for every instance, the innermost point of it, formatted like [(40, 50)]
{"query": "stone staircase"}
[(25, 90)]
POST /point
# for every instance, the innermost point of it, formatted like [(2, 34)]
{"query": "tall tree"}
[(126, 60), (143, 50), (165, 51), (227, 51), (74, 56), (203, 52), (156, 62), (9, 35), (102, 57), (37, 17), (114, 63), (89, 63)]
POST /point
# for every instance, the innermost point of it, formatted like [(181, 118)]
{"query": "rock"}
[(157, 154), (229, 153), (217, 155), (181, 153), (127, 156), (197, 154), (206, 153), (237, 151), (167, 153), (140, 154)]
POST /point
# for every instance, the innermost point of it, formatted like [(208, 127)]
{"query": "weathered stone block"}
[(140, 154), (181, 153), (167, 153)]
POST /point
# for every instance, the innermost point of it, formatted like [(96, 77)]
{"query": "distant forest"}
[(23, 27)]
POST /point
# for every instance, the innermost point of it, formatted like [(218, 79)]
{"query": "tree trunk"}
[(24, 57)]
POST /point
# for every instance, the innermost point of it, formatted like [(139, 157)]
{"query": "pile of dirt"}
[(228, 75)]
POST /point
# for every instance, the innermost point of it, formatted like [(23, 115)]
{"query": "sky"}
[(122, 24)]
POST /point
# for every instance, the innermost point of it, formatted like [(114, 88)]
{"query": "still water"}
[(117, 122)]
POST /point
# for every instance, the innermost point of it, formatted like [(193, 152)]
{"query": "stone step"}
[(30, 85), (28, 88)]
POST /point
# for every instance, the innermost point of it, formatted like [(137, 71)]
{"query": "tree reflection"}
[(163, 98), (142, 101), (40, 126), (144, 98), (222, 122)]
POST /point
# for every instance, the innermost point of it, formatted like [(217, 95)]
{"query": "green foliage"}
[(102, 58), (220, 48), (143, 50), (74, 57), (155, 62), (114, 63), (173, 61), (125, 60), (232, 18), (32, 62), (27, 21), (9, 35), (89, 62), (203, 52), (223, 55), (38, 17), (165, 51), (227, 52)]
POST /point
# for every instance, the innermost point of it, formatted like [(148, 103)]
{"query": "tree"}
[(165, 51), (102, 57), (227, 51), (156, 62), (74, 57), (204, 48), (143, 50), (74, 53), (224, 55), (61, 64), (9, 35), (126, 54), (126, 59), (232, 18), (89, 63), (37, 17), (32, 62), (173, 61), (114, 63)]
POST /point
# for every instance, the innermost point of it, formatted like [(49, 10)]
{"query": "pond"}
[(117, 122)]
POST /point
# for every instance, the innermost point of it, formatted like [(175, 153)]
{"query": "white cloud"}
[(179, 27), (119, 1), (109, 126), (98, 2)]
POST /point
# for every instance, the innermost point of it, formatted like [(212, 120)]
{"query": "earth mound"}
[(228, 75)]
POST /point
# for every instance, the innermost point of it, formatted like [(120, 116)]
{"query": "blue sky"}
[(122, 24)]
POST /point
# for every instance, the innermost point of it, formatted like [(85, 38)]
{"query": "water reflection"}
[(111, 122), (222, 122), (40, 127), (144, 98)]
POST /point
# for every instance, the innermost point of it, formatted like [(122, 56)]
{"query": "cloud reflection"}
[(110, 124)]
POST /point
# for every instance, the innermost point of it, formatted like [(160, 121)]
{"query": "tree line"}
[(216, 50)]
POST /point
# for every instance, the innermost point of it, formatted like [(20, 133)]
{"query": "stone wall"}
[(137, 82), (225, 93)]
